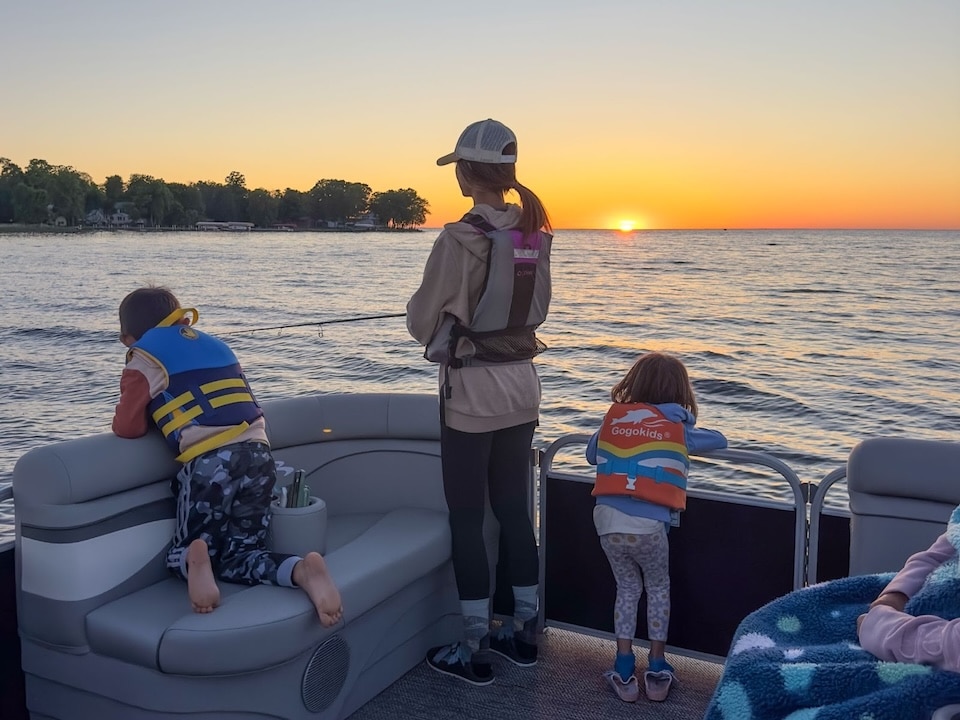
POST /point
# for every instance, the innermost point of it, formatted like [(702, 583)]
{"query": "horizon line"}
[(728, 229)]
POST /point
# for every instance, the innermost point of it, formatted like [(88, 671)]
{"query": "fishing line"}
[(318, 323)]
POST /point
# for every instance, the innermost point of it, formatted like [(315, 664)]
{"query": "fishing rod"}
[(318, 323)]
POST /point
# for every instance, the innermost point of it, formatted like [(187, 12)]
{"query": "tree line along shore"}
[(42, 197), (54, 229)]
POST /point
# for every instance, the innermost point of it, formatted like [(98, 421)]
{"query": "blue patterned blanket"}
[(797, 658)]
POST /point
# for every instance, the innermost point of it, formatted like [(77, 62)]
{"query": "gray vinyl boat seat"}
[(107, 632), (902, 492)]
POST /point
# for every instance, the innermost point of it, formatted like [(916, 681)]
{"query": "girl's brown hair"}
[(656, 378), (501, 177)]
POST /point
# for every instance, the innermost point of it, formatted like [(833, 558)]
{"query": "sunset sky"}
[(680, 114)]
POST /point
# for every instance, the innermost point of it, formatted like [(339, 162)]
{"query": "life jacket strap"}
[(181, 415), (496, 347), (175, 316), (212, 443), (479, 222)]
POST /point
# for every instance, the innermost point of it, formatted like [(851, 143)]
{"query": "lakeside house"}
[(231, 226), (367, 221), (118, 218)]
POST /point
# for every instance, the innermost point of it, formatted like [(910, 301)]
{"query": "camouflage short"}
[(223, 498)]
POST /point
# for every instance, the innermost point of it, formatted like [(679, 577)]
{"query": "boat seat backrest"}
[(902, 492), (95, 515), (99, 466), (345, 442)]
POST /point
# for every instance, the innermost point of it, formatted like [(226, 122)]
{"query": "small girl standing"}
[(642, 456)]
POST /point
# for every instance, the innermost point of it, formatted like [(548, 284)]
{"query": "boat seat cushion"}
[(902, 492), (371, 557)]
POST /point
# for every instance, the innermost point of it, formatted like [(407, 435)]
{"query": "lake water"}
[(800, 343)]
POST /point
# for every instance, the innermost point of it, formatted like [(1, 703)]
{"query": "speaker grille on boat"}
[(325, 674)]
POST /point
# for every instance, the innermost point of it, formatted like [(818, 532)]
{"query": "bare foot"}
[(201, 585), (312, 575)]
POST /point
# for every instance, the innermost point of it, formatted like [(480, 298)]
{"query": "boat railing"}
[(742, 567), (6, 495), (753, 457), (820, 517)]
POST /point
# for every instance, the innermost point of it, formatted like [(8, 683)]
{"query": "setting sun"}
[(627, 225)]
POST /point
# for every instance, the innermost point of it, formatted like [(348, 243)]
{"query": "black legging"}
[(471, 462)]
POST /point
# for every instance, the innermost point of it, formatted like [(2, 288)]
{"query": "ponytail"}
[(534, 216), (501, 178)]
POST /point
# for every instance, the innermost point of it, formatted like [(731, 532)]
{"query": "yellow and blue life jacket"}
[(206, 386)]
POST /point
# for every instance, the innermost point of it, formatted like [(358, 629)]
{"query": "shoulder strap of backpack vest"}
[(478, 222)]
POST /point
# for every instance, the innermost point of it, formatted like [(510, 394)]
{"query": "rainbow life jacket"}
[(642, 454)]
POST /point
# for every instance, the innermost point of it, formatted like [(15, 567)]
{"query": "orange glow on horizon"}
[(834, 143), (665, 192)]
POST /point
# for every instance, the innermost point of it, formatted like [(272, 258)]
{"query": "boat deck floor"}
[(566, 682)]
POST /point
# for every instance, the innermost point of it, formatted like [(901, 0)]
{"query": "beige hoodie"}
[(486, 397)]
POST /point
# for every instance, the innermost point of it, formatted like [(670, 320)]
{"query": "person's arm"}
[(591, 452), (438, 289), (142, 379), (894, 636), (915, 570), (911, 577), (701, 439), (130, 415)]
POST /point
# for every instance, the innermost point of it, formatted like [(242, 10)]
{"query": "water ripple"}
[(799, 343)]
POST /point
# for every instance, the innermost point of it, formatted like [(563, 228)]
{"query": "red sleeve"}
[(130, 417)]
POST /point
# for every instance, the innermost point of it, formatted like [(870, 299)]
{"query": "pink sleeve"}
[(897, 637), (918, 566)]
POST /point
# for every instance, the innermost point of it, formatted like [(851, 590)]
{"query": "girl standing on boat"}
[(641, 453), (485, 289)]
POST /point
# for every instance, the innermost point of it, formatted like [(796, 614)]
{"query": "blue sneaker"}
[(456, 660), (510, 645)]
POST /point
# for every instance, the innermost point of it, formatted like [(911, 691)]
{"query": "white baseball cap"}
[(483, 141)]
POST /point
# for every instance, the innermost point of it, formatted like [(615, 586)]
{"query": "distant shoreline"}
[(50, 229), (84, 229)]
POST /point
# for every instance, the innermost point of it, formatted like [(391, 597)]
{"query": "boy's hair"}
[(144, 308), (656, 378)]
